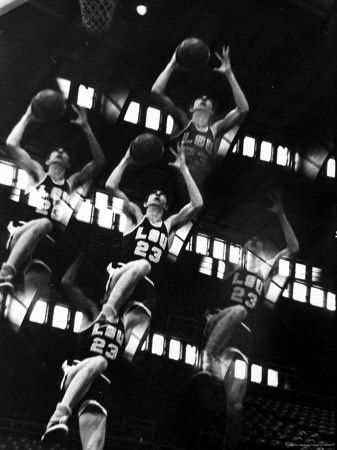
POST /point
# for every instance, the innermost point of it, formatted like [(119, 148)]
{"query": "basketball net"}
[(97, 14)]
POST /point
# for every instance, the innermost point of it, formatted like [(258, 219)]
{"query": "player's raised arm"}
[(112, 186), (158, 89), (194, 206), (291, 240), (236, 116), (91, 169), (20, 156)]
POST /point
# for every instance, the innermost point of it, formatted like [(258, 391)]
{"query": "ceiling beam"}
[(8, 5)]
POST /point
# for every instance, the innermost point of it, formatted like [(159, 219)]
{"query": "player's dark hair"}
[(200, 96), (154, 189), (55, 150)]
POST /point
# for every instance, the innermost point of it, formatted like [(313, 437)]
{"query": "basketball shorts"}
[(143, 296)]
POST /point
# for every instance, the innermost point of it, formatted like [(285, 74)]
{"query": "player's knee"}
[(98, 366), (44, 226), (239, 312), (142, 268)]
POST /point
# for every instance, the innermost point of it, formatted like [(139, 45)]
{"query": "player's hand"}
[(31, 116), (277, 206), (224, 59), (128, 158), (81, 119), (179, 162)]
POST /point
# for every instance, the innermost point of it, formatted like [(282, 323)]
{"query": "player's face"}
[(59, 156), (157, 198), (202, 111)]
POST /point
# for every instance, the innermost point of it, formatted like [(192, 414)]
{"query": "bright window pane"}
[(117, 204), (331, 301), (132, 114), (22, 181), (284, 267), (317, 297), (300, 271), (85, 211), (157, 344), (105, 217), (221, 269), (6, 174), (169, 125), (145, 345), (286, 291), (206, 265), (122, 222), (39, 312), (299, 292), (64, 86), (282, 156), (248, 146), (85, 97), (174, 350), (236, 148), (201, 244), (152, 118), (101, 200), (316, 274), (234, 254), (60, 317), (331, 168), (176, 246), (240, 369), (78, 321), (272, 378), (265, 151), (190, 354), (256, 373), (219, 249)]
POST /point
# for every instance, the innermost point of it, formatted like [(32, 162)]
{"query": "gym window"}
[(234, 254), (256, 373), (331, 301), (316, 274), (85, 212), (64, 86), (300, 271), (284, 267), (201, 244), (105, 218), (38, 314), (317, 297), (85, 97), (248, 146), (221, 269), (300, 292), (272, 378), (190, 354), (169, 124), (157, 344), (6, 174), (22, 179), (174, 349), (240, 369), (266, 151), (282, 155), (206, 265), (219, 249), (60, 317), (152, 118), (78, 321), (132, 113), (176, 246), (331, 168)]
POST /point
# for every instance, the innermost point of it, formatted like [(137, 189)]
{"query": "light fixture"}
[(141, 10)]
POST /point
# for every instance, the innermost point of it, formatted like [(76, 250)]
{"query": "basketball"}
[(147, 148), (48, 105), (192, 54)]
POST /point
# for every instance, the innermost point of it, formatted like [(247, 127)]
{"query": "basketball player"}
[(86, 384), (228, 330), (51, 192), (147, 238), (198, 134)]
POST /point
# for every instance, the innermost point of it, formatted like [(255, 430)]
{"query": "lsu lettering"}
[(247, 288), (146, 239), (107, 341)]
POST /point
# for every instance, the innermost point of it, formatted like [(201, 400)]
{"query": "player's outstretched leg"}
[(92, 423)]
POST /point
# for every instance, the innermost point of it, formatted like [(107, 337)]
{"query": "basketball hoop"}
[(97, 14)]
